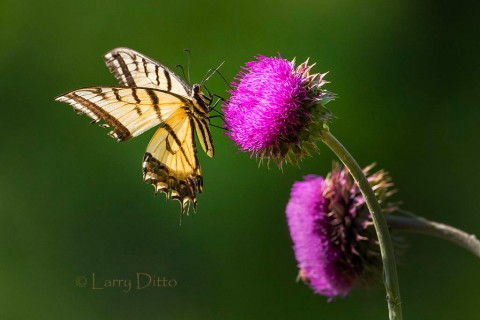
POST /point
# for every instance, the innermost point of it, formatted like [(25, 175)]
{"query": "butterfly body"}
[(149, 95)]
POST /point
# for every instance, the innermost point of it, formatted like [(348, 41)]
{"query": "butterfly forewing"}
[(132, 69), (129, 111)]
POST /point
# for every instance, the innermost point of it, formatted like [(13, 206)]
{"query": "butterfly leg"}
[(219, 97), (212, 108), (215, 126), (219, 114), (212, 95)]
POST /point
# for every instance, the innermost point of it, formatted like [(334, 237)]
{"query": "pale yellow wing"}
[(170, 163), (133, 69), (128, 111)]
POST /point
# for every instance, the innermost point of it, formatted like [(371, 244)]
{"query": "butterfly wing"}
[(170, 163), (128, 111), (133, 69)]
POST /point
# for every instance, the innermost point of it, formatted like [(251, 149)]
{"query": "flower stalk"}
[(383, 234), (415, 224)]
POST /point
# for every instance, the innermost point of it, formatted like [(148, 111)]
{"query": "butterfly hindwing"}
[(133, 69), (170, 163), (129, 111)]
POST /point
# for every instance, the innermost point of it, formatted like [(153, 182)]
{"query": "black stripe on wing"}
[(133, 69), (83, 105), (204, 135), (125, 74)]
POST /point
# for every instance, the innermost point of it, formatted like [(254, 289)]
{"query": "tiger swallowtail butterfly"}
[(150, 94)]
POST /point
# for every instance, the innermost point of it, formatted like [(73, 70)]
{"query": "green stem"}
[(383, 235), (420, 225)]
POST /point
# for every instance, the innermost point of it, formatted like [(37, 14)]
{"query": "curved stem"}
[(383, 234), (421, 225)]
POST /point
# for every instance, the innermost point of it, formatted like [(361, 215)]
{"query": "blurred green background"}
[(73, 201)]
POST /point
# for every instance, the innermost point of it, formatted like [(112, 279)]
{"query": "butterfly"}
[(150, 94)]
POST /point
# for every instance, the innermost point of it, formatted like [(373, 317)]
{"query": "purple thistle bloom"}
[(334, 241), (276, 109)]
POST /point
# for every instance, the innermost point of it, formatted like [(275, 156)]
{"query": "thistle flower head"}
[(334, 240), (276, 109)]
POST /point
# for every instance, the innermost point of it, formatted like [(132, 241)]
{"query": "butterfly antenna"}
[(188, 63), (183, 70), (220, 74), (205, 78), (213, 71)]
